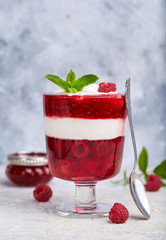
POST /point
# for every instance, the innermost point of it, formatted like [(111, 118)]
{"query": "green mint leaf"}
[(163, 184), (161, 170), (72, 90), (143, 160), (83, 81), (70, 78), (57, 80), (71, 85)]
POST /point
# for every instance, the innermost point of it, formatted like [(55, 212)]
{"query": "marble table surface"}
[(21, 217)]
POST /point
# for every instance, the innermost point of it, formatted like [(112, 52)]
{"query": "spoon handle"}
[(128, 104)]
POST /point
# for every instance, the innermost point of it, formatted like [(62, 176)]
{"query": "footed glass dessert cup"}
[(84, 140)]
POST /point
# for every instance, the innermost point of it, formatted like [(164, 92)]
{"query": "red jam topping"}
[(86, 106)]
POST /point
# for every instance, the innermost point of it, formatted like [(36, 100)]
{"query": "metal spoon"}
[(136, 187)]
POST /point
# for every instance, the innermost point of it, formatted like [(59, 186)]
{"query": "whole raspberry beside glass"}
[(153, 183), (118, 213), (107, 87), (42, 193)]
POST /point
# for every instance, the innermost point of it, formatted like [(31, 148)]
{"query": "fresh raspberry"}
[(118, 213), (153, 183), (42, 193), (107, 87), (80, 149), (100, 148)]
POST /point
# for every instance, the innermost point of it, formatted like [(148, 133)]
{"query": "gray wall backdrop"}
[(114, 39)]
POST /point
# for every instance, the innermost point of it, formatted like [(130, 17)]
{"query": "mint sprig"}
[(72, 85), (160, 170)]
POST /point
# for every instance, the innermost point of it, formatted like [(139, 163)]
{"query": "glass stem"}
[(85, 196)]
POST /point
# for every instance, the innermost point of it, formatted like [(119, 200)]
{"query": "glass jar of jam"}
[(28, 168)]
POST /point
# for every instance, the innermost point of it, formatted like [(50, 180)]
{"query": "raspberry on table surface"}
[(118, 213), (153, 183), (42, 193)]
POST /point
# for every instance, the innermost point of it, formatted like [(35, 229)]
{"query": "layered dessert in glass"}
[(84, 138)]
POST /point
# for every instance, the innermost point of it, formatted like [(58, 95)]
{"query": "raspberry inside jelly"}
[(101, 159)]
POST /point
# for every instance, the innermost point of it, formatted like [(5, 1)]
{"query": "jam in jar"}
[(28, 168)]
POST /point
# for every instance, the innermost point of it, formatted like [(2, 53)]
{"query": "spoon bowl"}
[(138, 193)]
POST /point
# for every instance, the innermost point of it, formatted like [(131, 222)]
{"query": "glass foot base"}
[(70, 210)]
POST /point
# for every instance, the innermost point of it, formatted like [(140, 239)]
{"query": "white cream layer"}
[(91, 129), (91, 89)]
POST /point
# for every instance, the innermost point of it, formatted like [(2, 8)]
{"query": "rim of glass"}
[(79, 94)]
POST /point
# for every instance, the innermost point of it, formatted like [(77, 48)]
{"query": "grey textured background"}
[(112, 39)]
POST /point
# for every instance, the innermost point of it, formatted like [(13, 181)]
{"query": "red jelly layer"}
[(86, 106), (28, 175), (84, 160)]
